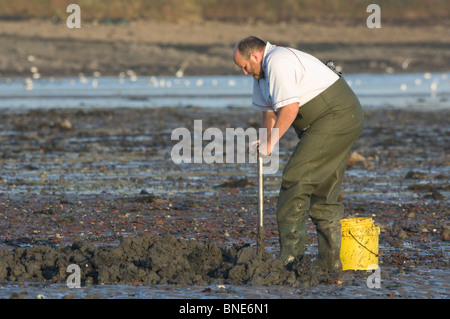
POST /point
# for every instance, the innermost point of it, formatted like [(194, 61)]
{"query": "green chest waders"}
[(328, 127)]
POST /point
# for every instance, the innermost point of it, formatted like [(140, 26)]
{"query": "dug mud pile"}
[(166, 260)]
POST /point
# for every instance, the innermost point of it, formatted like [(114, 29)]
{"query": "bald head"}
[(248, 54), (248, 45)]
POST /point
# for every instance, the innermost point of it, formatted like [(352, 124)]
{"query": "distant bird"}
[(433, 85), (28, 84), (179, 73), (35, 72), (183, 66), (132, 75), (405, 64), (82, 78)]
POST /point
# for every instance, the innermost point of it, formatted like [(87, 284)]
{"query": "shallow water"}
[(407, 90)]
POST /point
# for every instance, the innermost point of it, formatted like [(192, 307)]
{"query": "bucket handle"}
[(362, 244)]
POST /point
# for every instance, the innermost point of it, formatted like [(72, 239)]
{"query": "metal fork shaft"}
[(260, 228)]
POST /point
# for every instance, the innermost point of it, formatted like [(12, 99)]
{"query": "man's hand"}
[(261, 148), (276, 124)]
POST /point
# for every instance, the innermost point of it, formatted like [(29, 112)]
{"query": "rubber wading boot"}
[(329, 246), (292, 242)]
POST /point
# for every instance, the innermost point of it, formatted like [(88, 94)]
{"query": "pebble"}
[(65, 125), (402, 235), (446, 233)]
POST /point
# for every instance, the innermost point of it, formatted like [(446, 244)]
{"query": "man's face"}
[(250, 66)]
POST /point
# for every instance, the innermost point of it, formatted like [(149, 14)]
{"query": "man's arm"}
[(268, 120), (281, 121)]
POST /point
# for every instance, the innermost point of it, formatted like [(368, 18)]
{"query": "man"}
[(293, 88)]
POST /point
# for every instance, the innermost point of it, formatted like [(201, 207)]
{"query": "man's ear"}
[(255, 57)]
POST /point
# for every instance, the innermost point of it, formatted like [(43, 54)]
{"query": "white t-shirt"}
[(290, 76)]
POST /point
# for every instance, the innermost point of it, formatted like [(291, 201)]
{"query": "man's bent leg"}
[(293, 204), (294, 198), (325, 210)]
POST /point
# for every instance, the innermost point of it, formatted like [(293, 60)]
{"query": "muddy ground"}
[(98, 188)]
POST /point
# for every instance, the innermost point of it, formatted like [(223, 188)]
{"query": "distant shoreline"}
[(150, 48)]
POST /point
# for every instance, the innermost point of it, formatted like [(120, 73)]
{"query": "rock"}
[(16, 295), (446, 233), (415, 175), (235, 183), (402, 235), (64, 125), (355, 157), (434, 194)]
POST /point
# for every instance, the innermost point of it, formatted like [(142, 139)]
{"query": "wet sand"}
[(98, 188)]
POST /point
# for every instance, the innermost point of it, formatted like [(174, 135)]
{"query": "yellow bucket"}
[(359, 244)]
